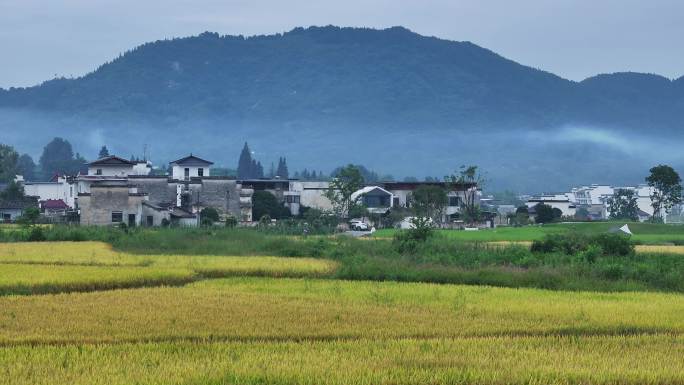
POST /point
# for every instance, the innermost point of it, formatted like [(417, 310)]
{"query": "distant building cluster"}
[(114, 190), (593, 200)]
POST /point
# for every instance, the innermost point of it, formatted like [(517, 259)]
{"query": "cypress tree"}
[(104, 152), (284, 172), (245, 164), (259, 170)]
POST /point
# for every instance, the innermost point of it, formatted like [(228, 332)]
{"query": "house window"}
[(98, 171), (150, 220), (6, 217), (187, 173), (117, 217), (395, 201), (200, 171), (131, 220), (292, 198), (71, 191), (454, 201)]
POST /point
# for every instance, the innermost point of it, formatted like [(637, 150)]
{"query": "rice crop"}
[(53, 267), (497, 360), (309, 331), (247, 309), (659, 249), (42, 279)]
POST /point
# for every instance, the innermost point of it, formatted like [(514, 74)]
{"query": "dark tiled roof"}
[(180, 213), (16, 204), (111, 161), (54, 204), (191, 159)]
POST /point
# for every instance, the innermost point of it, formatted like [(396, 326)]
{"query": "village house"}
[(110, 197)]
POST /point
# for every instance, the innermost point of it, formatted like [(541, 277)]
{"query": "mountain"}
[(391, 99)]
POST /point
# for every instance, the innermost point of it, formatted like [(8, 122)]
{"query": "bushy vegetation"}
[(577, 260)]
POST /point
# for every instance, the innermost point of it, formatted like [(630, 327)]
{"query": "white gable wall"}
[(178, 171)]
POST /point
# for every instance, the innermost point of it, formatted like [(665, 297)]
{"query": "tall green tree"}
[(344, 183), (469, 180), (265, 203), (8, 163), (623, 205), (104, 152), (58, 158), (246, 164), (667, 189), (546, 214), (281, 171), (429, 201), (26, 167)]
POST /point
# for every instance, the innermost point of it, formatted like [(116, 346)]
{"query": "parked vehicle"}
[(358, 225)]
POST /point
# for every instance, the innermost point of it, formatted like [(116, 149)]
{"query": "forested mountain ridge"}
[(317, 81)]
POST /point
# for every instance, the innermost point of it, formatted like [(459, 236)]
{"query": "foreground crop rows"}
[(294, 331), (501, 360), (258, 327), (246, 309)]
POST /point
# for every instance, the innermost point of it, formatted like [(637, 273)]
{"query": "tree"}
[(26, 167), (546, 213), (8, 163), (582, 214), (208, 216), (345, 182), (666, 189), (281, 171), (58, 157), (429, 201), (13, 192), (104, 152), (623, 205), (471, 181), (271, 172), (29, 217), (265, 203), (245, 164)]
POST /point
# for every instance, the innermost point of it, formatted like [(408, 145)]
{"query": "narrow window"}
[(187, 173), (98, 171), (200, 172)]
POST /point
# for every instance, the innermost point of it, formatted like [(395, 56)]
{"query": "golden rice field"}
[(258, 327), (52, 267), (644, 249)]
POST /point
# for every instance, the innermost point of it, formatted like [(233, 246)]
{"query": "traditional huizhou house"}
[(190, 167), (111, 203), (111, 166)]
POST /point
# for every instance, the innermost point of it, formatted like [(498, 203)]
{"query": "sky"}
[(575, 39)]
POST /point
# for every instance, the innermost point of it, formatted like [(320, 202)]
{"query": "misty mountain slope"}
[(394, 100), (324, 73)]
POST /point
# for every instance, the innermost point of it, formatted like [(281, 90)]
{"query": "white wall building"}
[(111, 166), (190, 167), (61, 188)]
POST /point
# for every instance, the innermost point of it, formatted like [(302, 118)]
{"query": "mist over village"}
[(289, 192)]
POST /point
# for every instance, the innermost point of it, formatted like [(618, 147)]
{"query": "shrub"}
[(265, 220), (209, 215), (36, 235), (614, 244), (231, 221), (589, 247), (408, 240)]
